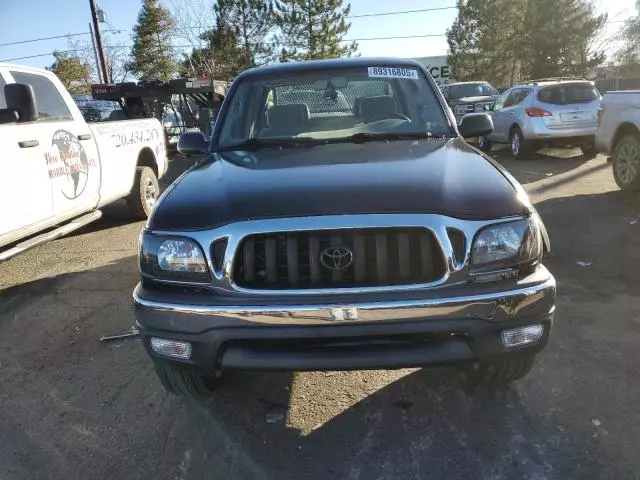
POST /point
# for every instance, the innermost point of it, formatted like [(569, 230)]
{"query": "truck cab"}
[(56, 168)]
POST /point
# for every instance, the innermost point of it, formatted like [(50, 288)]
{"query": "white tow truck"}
[(57, 171)]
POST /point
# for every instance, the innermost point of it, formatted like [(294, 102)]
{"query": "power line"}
[(393, 38), (44, 38), (400, 12)]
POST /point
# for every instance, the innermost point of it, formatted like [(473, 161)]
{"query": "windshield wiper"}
[(385, 137), (254, 143)]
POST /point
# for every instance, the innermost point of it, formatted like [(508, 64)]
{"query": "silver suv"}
[(550, 111)]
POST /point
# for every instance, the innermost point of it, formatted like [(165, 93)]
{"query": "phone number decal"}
[(393, 72)]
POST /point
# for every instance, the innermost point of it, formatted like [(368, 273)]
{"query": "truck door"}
[(25, 189), (69, 152)]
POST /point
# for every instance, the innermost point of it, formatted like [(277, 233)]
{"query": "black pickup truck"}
[(469, 97), (338, 220)]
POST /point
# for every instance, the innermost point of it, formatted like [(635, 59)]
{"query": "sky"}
[(31, 19)]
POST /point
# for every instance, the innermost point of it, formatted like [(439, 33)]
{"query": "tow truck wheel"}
[(498, 372), (180, 381), (144, 194)]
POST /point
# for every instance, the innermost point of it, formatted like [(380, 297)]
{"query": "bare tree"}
[(194, 20)]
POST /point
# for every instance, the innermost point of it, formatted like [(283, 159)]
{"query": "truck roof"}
[(23, 68), (310, 65)]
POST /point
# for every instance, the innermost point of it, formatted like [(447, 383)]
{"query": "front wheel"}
[(179, 381), (499, 372), (483, 144), (144, 194), (519, 146), (589, 151), (626, 163)]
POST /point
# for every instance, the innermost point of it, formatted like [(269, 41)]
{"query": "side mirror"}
[(20, 98), (475, 125), (192, 143)]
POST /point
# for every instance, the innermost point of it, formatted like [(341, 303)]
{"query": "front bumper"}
[(399, 330)]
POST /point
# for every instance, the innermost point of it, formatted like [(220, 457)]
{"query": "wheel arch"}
[(146, 158), (623, 129)]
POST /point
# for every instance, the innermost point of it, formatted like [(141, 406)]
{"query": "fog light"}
[(518, 337), (171, 348)]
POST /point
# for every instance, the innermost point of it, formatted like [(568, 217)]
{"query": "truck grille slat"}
[(366, 257), (359, 253), (248, 252), (292, 258), (403, 255), (381, 257), (270, 259)]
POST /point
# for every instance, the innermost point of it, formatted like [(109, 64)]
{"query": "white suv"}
[(551, 111)]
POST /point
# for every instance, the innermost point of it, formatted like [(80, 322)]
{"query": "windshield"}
[(471, 90), (325, 105)]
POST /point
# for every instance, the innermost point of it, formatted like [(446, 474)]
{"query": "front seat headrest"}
[(288, 116), (374, 106)]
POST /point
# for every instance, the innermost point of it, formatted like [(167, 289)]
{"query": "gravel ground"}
[(72, 408)]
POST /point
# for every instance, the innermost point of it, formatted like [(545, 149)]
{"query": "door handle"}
[(28, 143), (84, 136)]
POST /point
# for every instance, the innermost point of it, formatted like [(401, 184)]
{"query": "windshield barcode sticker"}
[(393, 72)]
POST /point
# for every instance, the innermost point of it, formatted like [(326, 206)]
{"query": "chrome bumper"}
[(192, 313)]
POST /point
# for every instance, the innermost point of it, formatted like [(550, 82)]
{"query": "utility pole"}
[(95, 52), (103, 63)]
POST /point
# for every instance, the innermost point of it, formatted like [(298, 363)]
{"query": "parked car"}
[(378, 239), (538, 113), (469, 97), (619, 135), (58, 171)]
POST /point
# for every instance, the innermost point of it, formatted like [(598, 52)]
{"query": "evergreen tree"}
[(504, 41), (251, 21), (74, 74), (153, 57), (313, 29), (629, 53)]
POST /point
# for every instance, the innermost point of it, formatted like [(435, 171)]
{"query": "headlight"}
[(173, 258), (507, 245)]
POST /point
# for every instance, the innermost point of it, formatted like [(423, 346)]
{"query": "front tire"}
[(179, 381), (519, 146), (626, 163), (144, 194), (498, 372), (589, 151), (483, 144)]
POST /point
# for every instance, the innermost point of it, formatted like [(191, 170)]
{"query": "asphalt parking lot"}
[(72, 408)]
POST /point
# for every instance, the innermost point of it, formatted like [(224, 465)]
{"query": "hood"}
[(478, 99), (429, 176)]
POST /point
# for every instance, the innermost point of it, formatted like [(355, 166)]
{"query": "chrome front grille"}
[(345, 258)]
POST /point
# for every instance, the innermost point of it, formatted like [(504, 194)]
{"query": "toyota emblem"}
[(336, 258)]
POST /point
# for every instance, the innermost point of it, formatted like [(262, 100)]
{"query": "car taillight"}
[(538, 112)]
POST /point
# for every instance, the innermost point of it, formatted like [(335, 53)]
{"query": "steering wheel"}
[(387, 116)]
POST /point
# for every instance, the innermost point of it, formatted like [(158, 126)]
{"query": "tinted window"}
[(502, 100), (568, 94), (3, 101), (50, 104), (471, 90), (512, 98)]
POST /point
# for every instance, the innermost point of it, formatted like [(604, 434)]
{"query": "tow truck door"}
[(68, 150), (25, 190)]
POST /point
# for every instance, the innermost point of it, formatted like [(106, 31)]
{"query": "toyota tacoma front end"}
[(339, 221)]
